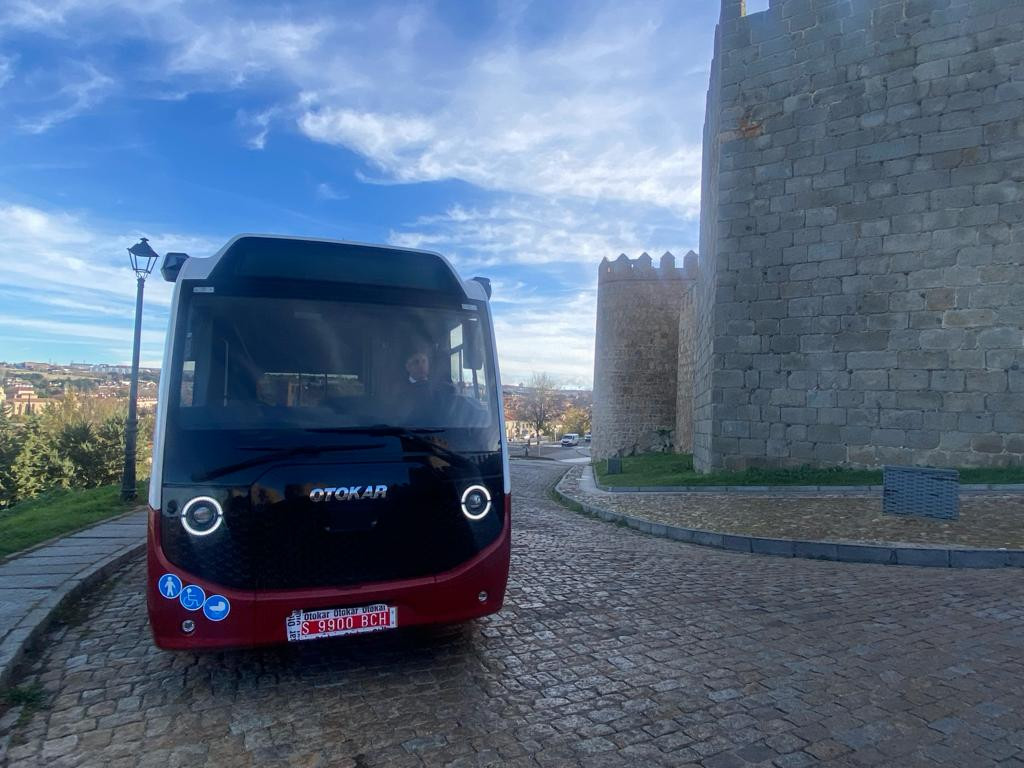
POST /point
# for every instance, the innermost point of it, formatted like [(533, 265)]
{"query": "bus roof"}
[(323, 260)]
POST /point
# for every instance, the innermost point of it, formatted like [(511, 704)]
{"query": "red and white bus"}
[(330, 453)]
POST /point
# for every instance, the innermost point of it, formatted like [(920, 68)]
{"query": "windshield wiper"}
[(306, 450), (412, 435)]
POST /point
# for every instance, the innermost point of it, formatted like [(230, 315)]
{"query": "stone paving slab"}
[(35, 584), (988, 521)]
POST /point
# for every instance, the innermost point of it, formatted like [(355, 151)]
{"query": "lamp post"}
[(143, 258)]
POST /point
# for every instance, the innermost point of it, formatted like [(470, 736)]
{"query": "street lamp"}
[(143, 259)]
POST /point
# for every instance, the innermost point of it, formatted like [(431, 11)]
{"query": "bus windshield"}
[(248, 362)]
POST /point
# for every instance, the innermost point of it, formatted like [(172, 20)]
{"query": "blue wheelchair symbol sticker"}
[(216, 608), (169, 586), (192, 597)]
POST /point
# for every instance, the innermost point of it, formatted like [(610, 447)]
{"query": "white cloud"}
[(72, 279), (553, 334), (84, 88), (238, 50), (532, 231), (584, 130), (325, 191), (543, 258), (585, 117), (608, 107), (6, 70), (257, 125), (386, 138)]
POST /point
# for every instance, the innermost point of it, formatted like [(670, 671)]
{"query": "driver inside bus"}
[(422, 398), (417, 367)]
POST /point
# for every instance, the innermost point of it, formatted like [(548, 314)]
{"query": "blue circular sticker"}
[(192, 597), (216, 608), (169, 586)]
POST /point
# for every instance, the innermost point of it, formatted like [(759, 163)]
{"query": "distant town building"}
[(22, 400)]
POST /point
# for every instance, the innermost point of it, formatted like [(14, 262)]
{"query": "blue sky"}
[(524, 140)]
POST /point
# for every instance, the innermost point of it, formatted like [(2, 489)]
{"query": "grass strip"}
[(671, 469), (59, 512)]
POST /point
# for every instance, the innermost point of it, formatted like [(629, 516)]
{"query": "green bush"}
[(77, 443)]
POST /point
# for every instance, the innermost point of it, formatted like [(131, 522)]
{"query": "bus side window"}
[(467, 367), (188, 377)]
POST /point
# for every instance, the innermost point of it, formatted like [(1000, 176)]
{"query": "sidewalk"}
[(846, 525), (35, 584)]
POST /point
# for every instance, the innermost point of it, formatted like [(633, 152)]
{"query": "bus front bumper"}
[(261, 618)]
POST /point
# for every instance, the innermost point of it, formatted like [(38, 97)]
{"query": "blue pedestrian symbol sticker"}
[(192, 597), (169, 586), (216, 608)]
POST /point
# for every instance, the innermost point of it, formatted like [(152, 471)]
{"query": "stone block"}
[(1003, 192), (872, 360), (919, 400), (947, 381), (986, 381), (947, 140), (865, 553), (942, 338), (779, 547), (975, 422), (991, 443), (905, 243), (815, 550), (923, 557), (977, 558), (1001, 338), (859, 342), (889, 150)]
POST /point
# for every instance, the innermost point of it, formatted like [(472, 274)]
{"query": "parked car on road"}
[(586, 438), (570, 439)]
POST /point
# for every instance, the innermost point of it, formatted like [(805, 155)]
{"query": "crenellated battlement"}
[(643, 311), (642, 268)]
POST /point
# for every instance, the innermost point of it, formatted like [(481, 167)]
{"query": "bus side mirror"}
[(173, 262), (486, 283), (473, 354)]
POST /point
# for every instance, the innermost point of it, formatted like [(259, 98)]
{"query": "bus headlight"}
[(202, 516), (476, 502)]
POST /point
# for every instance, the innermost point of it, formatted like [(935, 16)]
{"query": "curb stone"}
[(792, 490), (32, 626), (843, 552)]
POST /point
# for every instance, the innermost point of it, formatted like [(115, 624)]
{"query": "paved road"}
[(575, 454), (614, 649)]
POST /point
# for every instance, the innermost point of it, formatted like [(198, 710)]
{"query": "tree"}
[(39, 466), (75, 443), (11, 439), (539, 402), (576, 419)]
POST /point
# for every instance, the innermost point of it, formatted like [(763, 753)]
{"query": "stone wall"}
[(636, 353), (687, 344), (861, 292), (706, 291)]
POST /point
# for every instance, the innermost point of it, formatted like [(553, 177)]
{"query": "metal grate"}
[(921, 492)]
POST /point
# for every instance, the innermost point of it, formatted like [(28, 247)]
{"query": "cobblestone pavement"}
[(989, 520), (614, 649)]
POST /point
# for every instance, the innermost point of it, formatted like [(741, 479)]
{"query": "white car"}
[(570, 439)]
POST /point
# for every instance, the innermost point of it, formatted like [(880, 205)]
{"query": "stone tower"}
[(636, 358), (860, 298)]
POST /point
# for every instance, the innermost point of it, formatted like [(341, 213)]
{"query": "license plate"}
[(332, 622)]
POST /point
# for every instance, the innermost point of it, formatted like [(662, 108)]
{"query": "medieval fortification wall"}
[(860, 295), (636, 361), (861, 288)]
